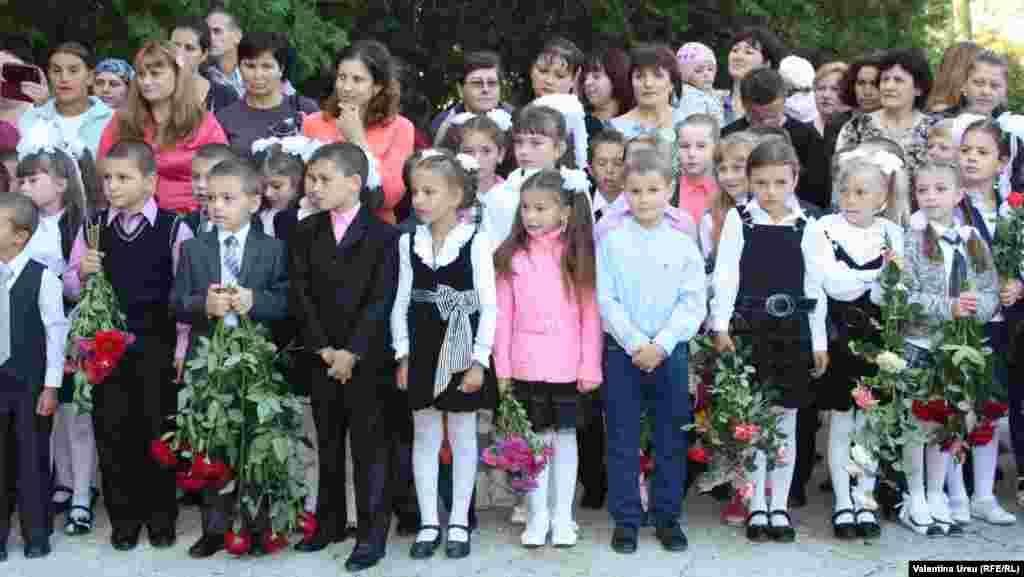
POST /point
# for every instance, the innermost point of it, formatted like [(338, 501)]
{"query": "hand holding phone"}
[(22, 82)]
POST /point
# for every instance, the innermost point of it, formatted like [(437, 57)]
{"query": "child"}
[(888, 156), (53, 181), (485, 138), (856, 242), (697, 139), (138, 251), (550, 253), (607, 158), (941, 147), (645, 356), (209, 263), (940, 258), (538, 142), (698, 66), (778, 296), (208, 156), (343, 277), (282, 189), (32, 334), (446, 295), (984, 153), (733, 189)]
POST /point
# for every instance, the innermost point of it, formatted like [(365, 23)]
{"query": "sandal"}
[(78, 525), (61, 506), (868, 528)]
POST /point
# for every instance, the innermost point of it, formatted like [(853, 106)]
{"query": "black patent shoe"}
[(782, 533), (3, 553), (457, 549), (758, 533), (869, 529), (125, 539), (206, 546), (624, 540), (363, 557), (844, 531), (672, 538), (426, 549), (37, 548)]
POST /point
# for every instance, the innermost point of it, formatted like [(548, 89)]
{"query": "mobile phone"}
[(14, 75)]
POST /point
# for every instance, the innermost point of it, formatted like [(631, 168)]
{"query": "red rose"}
[(940, 409), (308, 524), (982, 434), (162, 453), (994, 411), (187, 482), (272, 543), (96, 370), (921, 411), (1015, 200), (646, 464), (697, 454), (237, 544), (110, 345)]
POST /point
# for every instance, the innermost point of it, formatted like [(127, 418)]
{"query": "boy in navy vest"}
[(233, 254), (33, 330), (138, 251)]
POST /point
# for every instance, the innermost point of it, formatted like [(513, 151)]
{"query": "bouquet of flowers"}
[(1008, 244), (888, 425), (238, 427), (97, 339), (519, 451), (738, 423)]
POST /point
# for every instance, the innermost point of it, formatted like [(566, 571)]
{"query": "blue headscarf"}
[(118, 67)]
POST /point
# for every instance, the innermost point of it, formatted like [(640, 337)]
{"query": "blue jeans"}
[(665, 395)]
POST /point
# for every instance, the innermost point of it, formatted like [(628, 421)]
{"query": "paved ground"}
[(715, 551)]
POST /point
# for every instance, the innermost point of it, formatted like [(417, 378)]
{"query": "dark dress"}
[(427, 334)]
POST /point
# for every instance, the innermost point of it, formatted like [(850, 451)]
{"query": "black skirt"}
[(557, 406), (844, 371), (453, 400)]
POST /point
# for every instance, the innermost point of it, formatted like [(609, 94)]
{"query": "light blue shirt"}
[(650, 286)]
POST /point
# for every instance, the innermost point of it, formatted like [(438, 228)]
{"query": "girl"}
[(984, 152), (538, 142), (778, 293), (857, 238), (934, 252), (556, 69), (733, 189), (940, 142), (697, 137), (485, 138), (894, 166), (52, 178), (446, 295), (698, 66), (282, 185), (546, 271)]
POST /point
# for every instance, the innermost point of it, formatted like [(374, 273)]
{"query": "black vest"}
[(25, 370)]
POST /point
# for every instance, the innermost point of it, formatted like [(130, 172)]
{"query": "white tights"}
[(843, 426), (428, 436), (74, 453), (559, 477), (781, 475)]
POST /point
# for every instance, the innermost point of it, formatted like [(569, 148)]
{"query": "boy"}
[(646, 352), (138, 251), (237, 255), (208, 156), (607, 155), (32, 334), (344, 274)]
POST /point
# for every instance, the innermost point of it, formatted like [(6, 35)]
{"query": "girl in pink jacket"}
[(547, 345)]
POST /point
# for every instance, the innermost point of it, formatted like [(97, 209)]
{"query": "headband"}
[(499, 116), (117, 67), (692, 53)]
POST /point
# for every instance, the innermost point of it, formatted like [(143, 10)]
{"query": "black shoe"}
[(206, 546), (844, 531), (797, 498), (125, 539), (624, 540), (869, 529), (37, 548), (3, 554), (722, 493), (593, 500), (408, 525), (758, 533), (457, 549), (162, 538), (425, 549), (318, 542), (672, 538), (363, 557), (782, 533)]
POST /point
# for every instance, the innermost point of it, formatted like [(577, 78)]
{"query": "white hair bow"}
[(297, 145), (469, 164), (499, 116), (575, 180), (46, 136), (886, 161), (1013, 126)]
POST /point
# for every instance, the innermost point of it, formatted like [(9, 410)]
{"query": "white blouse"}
[(863, 245)]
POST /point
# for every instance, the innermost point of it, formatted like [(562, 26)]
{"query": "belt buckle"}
[(780, 305)]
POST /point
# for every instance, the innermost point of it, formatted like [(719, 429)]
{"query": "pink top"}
[(693, 198), (173, 165), (616, 213), (544, 334), (342, 220), (391, 143)]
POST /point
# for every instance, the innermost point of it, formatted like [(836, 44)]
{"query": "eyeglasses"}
[(478, 84)]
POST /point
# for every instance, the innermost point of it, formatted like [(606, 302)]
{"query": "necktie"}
[(232, 260), (5, 313), (959, 271), (340, 225), (598, 214)]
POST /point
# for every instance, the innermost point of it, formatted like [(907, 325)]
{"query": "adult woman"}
[(163, 109), (904, 81), (363, 110), (858, 94), (192, 38), (827, 86), (79, 116), (754, 47), (607, 86), (655, 76), (113, 76), (265, 110), (949, 81)]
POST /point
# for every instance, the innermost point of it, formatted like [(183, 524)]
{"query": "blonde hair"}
[(720, 202), (957, 62), (898, 193), (187, 112), (829, 69)]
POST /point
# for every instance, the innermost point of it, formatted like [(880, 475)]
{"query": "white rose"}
[(890, 362)]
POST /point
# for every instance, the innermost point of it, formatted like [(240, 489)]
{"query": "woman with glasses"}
[(480, 89)]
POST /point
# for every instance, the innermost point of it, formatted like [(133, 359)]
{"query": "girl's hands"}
[(585, 387), (1010, 293), (472, 380), (402, 374), (964, 306), (723, 343)]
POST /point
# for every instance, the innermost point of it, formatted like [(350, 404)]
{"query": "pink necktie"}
[(340, 225)]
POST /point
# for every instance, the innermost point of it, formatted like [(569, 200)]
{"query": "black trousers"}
[(806, 447), (403, 488), (29, 467), (131, 408), (354, 408), (590, 440)]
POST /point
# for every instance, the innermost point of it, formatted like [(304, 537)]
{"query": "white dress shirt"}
[(45, 245), (51, 308), (727, 269), (226, 277)]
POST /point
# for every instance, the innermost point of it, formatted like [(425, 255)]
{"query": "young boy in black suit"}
[(344, 274), (235, 269), (33, 330)]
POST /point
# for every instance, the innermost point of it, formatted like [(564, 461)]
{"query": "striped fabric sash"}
[(457, 349)]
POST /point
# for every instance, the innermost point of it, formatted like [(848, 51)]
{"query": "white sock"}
[(955, 486), (986, 458), (425, 466), (935, 461), (60, 448), (537, 505), (913, 467), (83, 456), (311, 457), (863, 494), (839, 433), (759, 478), (566, 462), (782, 474), (462, 436)]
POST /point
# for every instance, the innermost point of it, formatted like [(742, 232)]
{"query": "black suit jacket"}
[(264, 271), (814, 185), (342, 293)]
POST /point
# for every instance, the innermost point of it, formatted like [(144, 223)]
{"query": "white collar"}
[(17, 264), (53, 218), (796, 212)]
